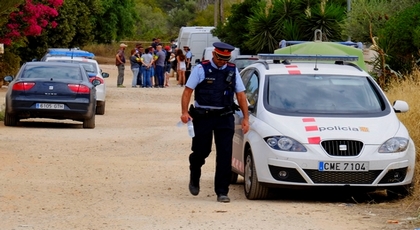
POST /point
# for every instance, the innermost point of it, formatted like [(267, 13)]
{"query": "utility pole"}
[(348, 11), (218, 12)]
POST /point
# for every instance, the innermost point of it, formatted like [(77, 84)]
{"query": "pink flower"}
[(6, 41), (30, 19), (54, 24)]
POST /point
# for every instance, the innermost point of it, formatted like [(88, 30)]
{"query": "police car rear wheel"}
[(253, 189)]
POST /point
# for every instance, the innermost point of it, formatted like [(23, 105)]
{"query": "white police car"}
[(86, 59), (319, 121)]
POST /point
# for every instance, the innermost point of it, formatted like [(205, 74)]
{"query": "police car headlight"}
[(285, 144), (394, 145)]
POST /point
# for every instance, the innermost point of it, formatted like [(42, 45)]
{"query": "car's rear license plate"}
[(49, 106), (343, 166)]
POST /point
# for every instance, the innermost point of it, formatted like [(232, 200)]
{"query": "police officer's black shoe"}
[(194, 190), (223, 198)]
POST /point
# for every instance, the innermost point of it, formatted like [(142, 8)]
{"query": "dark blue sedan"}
[(51, 90)]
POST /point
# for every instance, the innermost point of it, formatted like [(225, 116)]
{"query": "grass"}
[(409, 91)]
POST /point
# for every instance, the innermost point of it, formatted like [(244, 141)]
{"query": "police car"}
[(319, 121), (86, 59)]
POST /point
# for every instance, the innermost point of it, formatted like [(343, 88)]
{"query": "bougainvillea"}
[(30, 19)]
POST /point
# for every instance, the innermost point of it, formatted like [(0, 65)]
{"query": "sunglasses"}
[(221, 59)]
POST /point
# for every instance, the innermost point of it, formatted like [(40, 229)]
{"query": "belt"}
[(213, 112)]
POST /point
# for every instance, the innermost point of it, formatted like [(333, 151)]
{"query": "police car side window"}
[(251, 88), (245, 75)]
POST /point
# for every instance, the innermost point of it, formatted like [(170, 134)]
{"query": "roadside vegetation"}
[(409, 91)]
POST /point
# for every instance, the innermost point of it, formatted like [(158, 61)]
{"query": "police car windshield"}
[(322, 94)]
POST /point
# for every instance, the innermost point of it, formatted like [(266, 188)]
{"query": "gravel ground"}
[(131, 172)]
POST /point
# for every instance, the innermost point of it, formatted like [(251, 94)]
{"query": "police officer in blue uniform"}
[(214, 82)]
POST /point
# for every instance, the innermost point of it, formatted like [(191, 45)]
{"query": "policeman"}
[(188, 56), (215, 82)]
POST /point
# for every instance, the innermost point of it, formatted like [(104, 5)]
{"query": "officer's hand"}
[(245, 125), (185, 117)]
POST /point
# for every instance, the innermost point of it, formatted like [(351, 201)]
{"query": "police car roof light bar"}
[(73, 53), (358, 45), (307, 57)]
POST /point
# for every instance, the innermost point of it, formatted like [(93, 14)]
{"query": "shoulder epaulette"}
[(205, 62), (231, 64)]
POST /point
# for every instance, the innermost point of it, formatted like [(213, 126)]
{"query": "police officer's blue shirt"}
[(197, 76), (188, 55)]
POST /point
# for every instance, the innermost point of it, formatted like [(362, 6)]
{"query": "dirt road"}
[(131, 172)]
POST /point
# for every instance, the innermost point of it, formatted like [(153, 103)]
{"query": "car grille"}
[(342, 148), (319, 177)]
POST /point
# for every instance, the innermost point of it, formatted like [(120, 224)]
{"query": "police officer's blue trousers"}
[(222, 127)]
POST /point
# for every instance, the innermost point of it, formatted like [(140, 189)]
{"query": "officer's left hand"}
[(185, 117), (245, 125)]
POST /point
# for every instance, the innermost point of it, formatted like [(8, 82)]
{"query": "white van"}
[(197, 38), (207, 54)]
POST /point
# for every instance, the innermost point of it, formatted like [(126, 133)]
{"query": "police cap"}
[(223, 50)]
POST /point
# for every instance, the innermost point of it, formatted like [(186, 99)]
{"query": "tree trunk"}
[(216, 11), (221, 14)]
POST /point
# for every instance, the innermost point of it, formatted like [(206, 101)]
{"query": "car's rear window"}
[(90, 67), (53, 72), (323, 94)]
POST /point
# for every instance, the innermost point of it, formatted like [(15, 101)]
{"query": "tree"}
[(327, 17), (152, 23), (75, 26), (115, 20), (236, 28), (399, 38), (263, 36), (6, 7), (366, 16), (30, 19)]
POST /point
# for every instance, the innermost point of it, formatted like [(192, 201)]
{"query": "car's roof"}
[(246, 57), (70, 58), (309, 67), (52, 64), (72, 52), (312, 68)]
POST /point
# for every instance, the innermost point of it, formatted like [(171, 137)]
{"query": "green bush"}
[(9, 64), (399, 39)]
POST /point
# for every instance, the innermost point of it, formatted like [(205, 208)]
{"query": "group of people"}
[(152, 66)]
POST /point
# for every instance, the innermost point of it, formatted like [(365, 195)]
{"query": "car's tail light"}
[(78, 88), (91, 79), (23, 86)]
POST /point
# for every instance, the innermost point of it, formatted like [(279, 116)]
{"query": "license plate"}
[(49, 106), (343, 166)]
